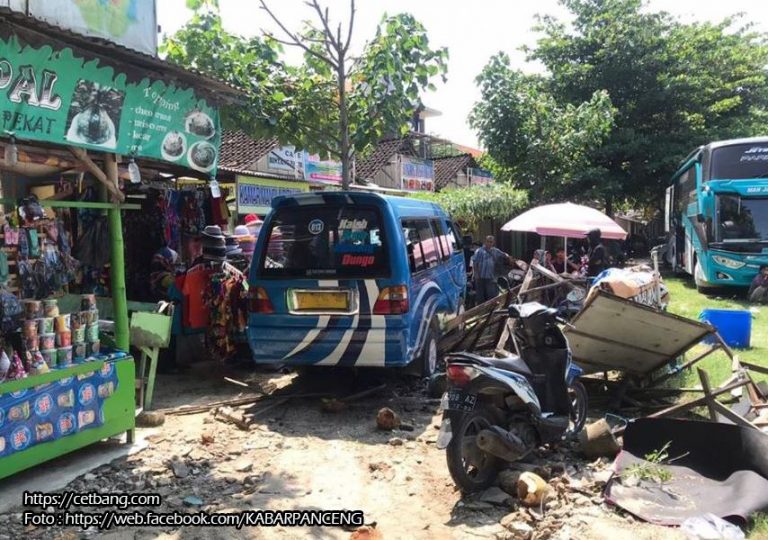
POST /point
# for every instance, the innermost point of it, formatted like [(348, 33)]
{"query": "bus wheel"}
[(698, 277)]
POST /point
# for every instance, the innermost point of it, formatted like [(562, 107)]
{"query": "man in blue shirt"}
[(484, 264)]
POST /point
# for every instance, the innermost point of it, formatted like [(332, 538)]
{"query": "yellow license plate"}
[(321, 300)]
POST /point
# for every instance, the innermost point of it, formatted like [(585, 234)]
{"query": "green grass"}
[(758, 529), (685, 300)]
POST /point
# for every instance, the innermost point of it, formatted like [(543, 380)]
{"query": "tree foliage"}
[(474, 204), (532, 140), (334, 103), (250, 64), (675, 86)]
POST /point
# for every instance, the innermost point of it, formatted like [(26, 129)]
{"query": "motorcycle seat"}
[(511, 362)]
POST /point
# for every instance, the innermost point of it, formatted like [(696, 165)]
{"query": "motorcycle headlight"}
[(728, 263)]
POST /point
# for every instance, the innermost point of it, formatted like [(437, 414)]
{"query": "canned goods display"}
[(51, 308), (47, 341), (29, 328), (45, 325), (33, 309), (92, 332), (64, 339), (78, 351), (64, 356), (49, 357)]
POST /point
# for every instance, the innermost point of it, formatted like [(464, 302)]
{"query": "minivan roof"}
[(401, 206)]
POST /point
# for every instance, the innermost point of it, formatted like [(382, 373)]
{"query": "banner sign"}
[(417, 174), (286, 159), (131, 23), (54, 410), (56, 97), (479, 177), (321, 171), (254, 195)]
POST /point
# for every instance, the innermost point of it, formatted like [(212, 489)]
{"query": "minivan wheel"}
[(430, 359)]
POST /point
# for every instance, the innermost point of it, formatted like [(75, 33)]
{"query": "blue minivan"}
[(354, 279)]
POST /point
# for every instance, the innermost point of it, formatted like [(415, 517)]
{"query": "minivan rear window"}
[(325, 242)]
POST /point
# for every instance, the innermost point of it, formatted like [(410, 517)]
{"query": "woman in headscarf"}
[(163, 273)]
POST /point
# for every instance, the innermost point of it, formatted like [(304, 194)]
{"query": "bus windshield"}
[(740, 161), (325, 242), (741, 220)]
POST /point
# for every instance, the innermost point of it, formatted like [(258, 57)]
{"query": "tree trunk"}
[(346, 171), (609, 206)]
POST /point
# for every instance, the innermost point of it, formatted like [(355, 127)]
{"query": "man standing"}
[(598, 257), (483, 264)]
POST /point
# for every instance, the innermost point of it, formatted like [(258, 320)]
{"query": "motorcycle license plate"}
[(460, 401)]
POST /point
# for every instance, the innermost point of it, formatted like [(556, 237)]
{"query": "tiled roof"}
[(446, 168), (366, 169), (239, 152)]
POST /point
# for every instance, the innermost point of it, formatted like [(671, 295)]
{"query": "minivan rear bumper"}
[(377, 341)]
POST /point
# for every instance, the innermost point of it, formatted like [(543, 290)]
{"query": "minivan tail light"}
[(258, 301), (392, 301)]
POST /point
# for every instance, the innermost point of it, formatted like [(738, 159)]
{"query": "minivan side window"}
[(442, 239), (423, 252), (453, 237)]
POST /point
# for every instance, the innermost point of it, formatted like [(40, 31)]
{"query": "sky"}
[(472, 30)]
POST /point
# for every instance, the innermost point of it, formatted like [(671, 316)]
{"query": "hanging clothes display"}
[(169, 218), (226, 297)]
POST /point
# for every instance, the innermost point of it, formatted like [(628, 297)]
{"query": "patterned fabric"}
[(226, 298)]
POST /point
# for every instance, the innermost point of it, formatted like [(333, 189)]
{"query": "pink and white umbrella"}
[(565, 220)]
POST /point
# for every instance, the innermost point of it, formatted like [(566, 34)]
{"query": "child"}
[(758, 290)]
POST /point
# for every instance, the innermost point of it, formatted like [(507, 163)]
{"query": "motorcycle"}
[(500, 408)]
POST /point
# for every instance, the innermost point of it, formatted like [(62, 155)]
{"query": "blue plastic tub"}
[(734, 326)]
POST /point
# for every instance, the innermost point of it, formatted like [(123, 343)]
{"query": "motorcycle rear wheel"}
[(471, 469), (578, 398)]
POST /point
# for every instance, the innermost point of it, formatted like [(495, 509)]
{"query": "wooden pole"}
[(705, 386), (117, 261), (111, 185)]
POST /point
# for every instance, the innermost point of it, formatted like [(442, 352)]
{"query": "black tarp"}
[(722, 469)]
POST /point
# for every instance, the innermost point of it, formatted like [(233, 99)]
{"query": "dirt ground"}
[(296, 456)]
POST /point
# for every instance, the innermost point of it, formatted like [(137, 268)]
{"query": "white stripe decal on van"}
[(428, 310), (374, 349), (333, 358), (322, 322)]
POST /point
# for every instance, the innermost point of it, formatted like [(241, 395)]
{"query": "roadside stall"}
[(566, 221), (80, 119)]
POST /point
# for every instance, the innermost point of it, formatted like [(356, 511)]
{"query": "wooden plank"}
[(754, 367), (732, 416), (47, 203), (697, 402), (704, 378), (685, 365)]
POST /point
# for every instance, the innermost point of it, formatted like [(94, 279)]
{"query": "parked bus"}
[(354, 279), (717, 213)]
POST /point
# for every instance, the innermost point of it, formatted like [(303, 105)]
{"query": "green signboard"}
[(55, 96)]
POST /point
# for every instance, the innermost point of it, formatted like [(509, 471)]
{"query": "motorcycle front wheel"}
[(471, 468)]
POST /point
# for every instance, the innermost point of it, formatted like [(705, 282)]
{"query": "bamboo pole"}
[(117, 261)]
